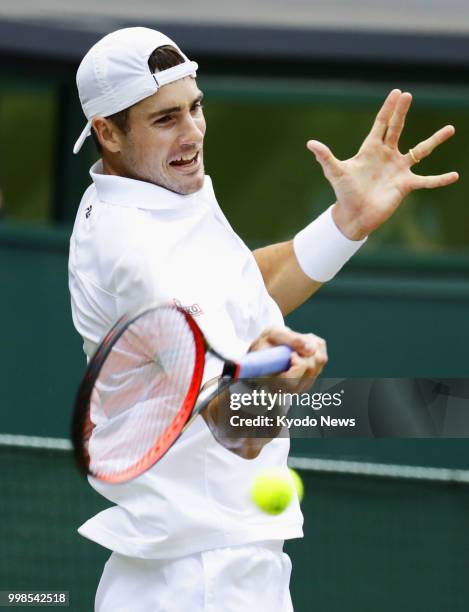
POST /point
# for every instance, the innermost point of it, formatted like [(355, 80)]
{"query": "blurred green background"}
[(398, 309)]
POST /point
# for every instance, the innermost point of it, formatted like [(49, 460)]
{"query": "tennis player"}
[(184, 535)]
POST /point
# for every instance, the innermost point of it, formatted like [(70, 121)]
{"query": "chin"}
[(192, 185), (199, 181)]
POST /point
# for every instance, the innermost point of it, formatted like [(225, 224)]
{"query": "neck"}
[(110, 167)]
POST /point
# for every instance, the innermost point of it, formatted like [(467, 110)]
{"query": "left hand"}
[(371, 185)]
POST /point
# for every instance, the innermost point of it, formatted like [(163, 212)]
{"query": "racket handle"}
[(265, 362)]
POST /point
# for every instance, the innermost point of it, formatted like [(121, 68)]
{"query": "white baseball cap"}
[(114, 74)]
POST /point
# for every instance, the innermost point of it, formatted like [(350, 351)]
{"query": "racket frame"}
[(81, 421), (195, 401)]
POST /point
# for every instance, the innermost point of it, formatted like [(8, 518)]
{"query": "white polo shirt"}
[(134, 243)]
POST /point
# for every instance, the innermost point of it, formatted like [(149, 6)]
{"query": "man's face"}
[(164, 143)]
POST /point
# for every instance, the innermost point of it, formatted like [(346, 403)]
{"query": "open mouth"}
[(185, 161)]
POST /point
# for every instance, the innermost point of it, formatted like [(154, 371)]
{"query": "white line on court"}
[(309, 464)]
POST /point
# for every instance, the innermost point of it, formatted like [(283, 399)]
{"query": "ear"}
[(108, 134)]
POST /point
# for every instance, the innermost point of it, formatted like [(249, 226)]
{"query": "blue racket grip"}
[(265, 362)]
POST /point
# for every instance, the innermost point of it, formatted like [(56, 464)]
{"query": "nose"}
[(192, 131)]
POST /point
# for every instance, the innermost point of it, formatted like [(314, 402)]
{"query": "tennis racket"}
[(142, 389)]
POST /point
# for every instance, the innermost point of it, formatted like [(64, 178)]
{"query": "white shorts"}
[(252, 578)]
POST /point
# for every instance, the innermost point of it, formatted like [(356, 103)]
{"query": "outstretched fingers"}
[(397, 121), (431, 182), (425, 148), (384, 115), (330, 164)]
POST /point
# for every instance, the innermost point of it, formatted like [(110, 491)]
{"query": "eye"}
[(165, 119), (197, 106)]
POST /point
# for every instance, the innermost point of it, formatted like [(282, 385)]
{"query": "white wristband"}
[(321, 248)]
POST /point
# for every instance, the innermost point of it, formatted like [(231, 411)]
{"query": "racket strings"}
[(153, 422), (140, 389), (167, 360)]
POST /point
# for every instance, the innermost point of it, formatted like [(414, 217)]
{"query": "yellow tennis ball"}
[(272, 490), (300, 489)]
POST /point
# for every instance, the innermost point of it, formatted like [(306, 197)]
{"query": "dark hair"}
[(161, 59)]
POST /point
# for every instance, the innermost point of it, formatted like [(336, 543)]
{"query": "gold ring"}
[(414, 159)]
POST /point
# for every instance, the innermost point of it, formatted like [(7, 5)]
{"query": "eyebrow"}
[(174, 109)]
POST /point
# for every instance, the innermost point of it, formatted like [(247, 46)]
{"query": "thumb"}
[(324, 156)]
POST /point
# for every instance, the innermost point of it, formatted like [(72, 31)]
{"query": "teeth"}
[(187, 157)]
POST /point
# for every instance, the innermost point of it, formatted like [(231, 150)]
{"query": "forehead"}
[(180, 93)]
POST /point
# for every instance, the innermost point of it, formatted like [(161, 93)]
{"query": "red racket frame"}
[(82, 425)]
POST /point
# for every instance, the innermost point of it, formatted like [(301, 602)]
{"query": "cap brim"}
[(83, 136)]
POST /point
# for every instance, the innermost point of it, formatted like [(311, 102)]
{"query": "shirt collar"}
[(141, 194)]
